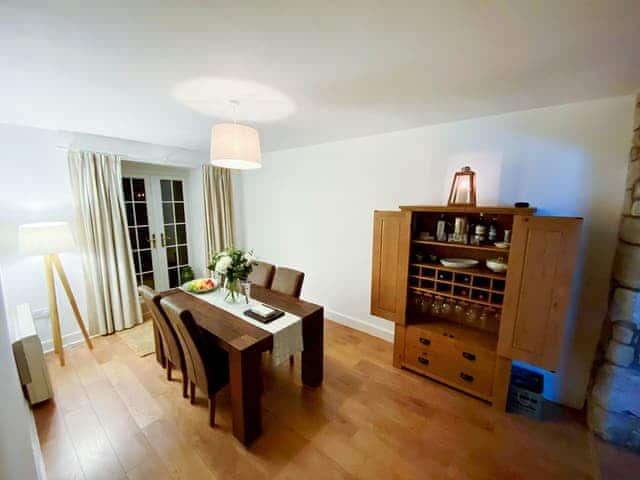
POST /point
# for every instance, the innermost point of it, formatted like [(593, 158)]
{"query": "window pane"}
[(147, 279), (126, 189), (136, 262), (179, 212), (183, 255), (146, 264), (167, 212), (165, 187), (138, 189), (173, 278), (170, 234), (177, 191), (132, 237), (129, 209), (172, 260), (182, 233), (143, 237), (141, 214)]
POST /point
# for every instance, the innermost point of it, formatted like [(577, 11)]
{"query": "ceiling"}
[(306, 72)]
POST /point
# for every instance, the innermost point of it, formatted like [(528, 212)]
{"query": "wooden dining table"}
[(245, 344)]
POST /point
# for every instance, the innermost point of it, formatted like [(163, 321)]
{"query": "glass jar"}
[(425, 303), (447, 308), (471, 315), (483, 318), (436, 307), (459, 310)]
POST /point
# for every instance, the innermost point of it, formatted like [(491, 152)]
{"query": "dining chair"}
[(207, 364), (287, 281), (262, 274), (173, 352)]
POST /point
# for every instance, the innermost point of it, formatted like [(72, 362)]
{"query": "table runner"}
[(286, 330)]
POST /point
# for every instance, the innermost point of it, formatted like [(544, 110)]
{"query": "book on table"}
[(263, 313)]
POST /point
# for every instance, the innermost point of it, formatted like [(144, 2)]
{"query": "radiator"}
[(27, 350)]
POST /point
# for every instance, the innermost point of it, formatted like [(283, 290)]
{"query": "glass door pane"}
[(174, 229), (136, 207)]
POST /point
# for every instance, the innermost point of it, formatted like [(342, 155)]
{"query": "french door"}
[(157, 220)]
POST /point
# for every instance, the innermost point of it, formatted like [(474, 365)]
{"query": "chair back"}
[(262, 274), (287, 281), (207, 364), (170, 342)]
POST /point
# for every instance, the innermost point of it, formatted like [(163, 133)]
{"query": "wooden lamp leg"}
[(53, 309), (72, 299)]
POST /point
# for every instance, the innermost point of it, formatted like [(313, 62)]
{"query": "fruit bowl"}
[(200, 285)]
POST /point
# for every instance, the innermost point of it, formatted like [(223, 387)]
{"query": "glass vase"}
[(233, 290)]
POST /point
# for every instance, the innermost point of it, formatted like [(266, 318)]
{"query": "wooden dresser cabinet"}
[(520, 314)]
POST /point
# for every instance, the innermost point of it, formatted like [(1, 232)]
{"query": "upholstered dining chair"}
[(262, 274), (174, 356), (207, 364), (287, 281)]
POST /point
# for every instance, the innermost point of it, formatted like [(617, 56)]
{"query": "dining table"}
[(245, 343)]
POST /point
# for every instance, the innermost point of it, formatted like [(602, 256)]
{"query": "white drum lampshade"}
[(235, 146), (45, 238)]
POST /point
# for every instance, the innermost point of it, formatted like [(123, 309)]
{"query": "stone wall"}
[(614, 403)]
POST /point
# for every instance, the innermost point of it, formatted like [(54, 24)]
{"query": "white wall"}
[(312, 207), (34, 186), (20, 455)]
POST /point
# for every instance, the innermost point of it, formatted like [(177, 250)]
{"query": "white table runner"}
[(286, 330)]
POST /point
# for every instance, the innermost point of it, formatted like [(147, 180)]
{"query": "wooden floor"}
[(116, 416)]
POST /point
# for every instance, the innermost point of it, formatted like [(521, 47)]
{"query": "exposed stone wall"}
[(614, 403)]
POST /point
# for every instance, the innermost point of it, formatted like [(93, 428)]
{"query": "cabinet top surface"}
[(488, 209)]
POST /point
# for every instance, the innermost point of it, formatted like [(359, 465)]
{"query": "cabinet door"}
[(389, 269), (539, 284)]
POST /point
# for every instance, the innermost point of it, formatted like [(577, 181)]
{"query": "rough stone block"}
[(626, 268), (630, 230), (634, 155), (620, 354), (635, 208), (619, 428), (625, 306), (622, 334), (628, 201), (617, 389), (633, 174)]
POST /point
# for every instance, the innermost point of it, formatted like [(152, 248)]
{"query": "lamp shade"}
[(44, 238), (235, 146)]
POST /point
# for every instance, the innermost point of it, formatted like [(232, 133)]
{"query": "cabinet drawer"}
[(449, 341), (448, 368)]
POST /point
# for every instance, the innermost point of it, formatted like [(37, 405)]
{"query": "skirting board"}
[(357, 324), (67, 340)]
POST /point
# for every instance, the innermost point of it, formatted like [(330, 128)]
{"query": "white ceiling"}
[(333, 70)]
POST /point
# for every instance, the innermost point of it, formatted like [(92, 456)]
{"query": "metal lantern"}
[(463, 189)]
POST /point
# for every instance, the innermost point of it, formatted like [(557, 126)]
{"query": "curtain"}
[(112, 296), (218, 209)]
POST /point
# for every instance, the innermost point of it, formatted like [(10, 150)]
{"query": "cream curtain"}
[(102, 230), (218, 209)]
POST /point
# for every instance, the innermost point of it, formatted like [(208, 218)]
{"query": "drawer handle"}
[(423, 360), (425, 341), (466, 377), (469, 356)]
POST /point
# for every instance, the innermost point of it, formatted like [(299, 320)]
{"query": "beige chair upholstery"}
[(287, 281), (262, 274)]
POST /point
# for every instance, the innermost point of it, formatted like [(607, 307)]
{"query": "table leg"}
[(313, 353), (245, 378)]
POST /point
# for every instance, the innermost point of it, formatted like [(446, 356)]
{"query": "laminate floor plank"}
[(115, 414)]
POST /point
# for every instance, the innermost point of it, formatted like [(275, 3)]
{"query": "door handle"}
[(162, 244), (153, 240)]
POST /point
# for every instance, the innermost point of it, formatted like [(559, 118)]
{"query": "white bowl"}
[(502, 244), (496, 265), (459, 262)]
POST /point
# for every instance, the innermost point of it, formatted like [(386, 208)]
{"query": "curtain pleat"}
[(218, 209), (96, 184)]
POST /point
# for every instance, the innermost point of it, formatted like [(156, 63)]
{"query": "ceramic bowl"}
[(497, 265), (459, 262)]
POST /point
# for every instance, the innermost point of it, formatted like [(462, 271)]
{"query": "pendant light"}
[(235, 146)]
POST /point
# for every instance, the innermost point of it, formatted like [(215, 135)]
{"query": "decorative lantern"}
[(463, 189)]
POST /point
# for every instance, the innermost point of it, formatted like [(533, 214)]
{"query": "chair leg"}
[(212, 411), (168, 370), (193, 393), (290, 359), (185, 384)]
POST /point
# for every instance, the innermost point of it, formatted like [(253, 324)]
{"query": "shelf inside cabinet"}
[(484, 248), (468, 335)]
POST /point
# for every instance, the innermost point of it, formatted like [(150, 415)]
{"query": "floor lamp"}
[(49, 239)]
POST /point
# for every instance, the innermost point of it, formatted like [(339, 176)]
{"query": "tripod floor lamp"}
[(49, 239)]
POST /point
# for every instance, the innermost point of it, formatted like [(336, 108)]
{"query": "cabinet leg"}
[(501, 383)]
